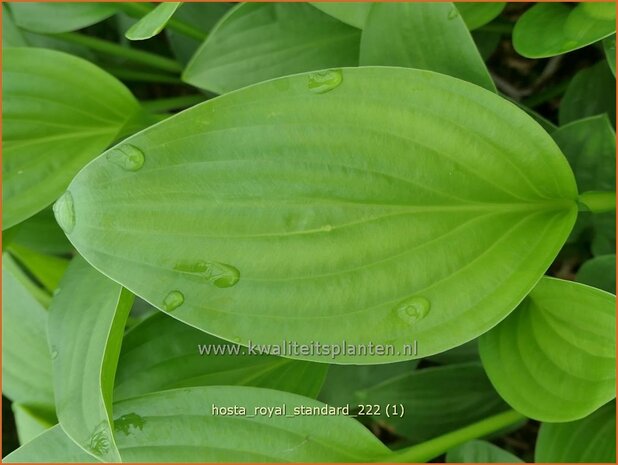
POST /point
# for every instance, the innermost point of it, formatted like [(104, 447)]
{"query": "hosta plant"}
[(309, 232)]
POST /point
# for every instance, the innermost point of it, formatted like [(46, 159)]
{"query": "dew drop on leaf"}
[(218, 274), (129, 423), (54, 353), (325, 81), (127, 156), (413, 309), (453, 13), (173, 300), (98, 442), (64, 211), (327, 228)]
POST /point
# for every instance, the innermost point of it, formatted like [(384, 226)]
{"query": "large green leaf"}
[(429, 36), (609, 47), (170, 426), (480, 452), (51, 446), (163, 353), (245, 215), (352, 13), (154, 22), (41, 233), (477, 14), (589, 440), (86, 325), (59, 16), (548, 29), (30, 422), (26, 361), (554, 358), (435, 400), (343, 381), (599, 272), (11, 35), (591, 92), (258, 41), (59, 112)]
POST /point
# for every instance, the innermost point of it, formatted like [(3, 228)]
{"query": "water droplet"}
[(413, 309), (325, 81), (236, 340), (453, 13), (20, 172), (56, 291), (99, 442), (173, 300), (129, 422), (327, 228), (127, 156), (54, 352), (64, 211), (219, 274)]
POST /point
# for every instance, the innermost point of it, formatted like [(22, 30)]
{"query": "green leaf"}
[(468, 352), (435, 400), (41, 233), (476, 15), (86, 326), (30, 422), (258, 237), (553, 359), (549, 29), (589, 440), (343, 381), (11, 35), (591, 92), (52, 446), (26, 362), (604, 240), (162, 353), (590, 146), (609, 47), (55, 121), (47, 269), (599, 272), (177, 420), (58, 16), (259, 41), (202, 16), (352, 13), (154, 22), (480, 452), (429, 36)]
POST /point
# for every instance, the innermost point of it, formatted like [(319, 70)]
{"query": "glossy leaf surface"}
[(154, 22), (54, 123), (477, 14), (589, 440), (259, 41), (264, 198), (59, 16), (480, 452), (47, 269), (549, 29), (86, 325), (553, 359), (162, 353), (406, 34), (435, 400)]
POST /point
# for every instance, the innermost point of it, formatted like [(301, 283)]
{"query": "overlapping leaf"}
[(599, 272), (548, 29), (480, 452), (589, 440), (244, 216), (553, 359), (477, 14), (421, 35), (161, 353), (59, 112), (259, 41), (86, 325), (154, 22), (352, 13)]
